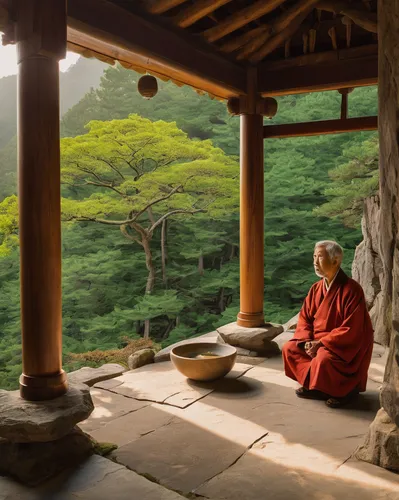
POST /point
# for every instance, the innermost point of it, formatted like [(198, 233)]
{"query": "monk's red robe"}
[(339, 319)]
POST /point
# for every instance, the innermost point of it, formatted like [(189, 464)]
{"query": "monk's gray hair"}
[(334, 250)]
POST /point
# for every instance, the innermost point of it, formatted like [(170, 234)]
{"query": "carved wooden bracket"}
[(265, 106)]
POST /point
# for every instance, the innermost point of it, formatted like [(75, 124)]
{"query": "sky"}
[(8, 60)]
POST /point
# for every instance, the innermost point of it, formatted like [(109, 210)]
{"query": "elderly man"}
[(331, 350)]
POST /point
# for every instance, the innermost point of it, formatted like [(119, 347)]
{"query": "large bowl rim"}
[(208, 344)]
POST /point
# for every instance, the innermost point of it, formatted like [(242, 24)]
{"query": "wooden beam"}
[(138, 40), (284, 27), (197, 11), (3, 16), (241, 18), (365, 20), (161, 6), (329, 56), (317, 78), (320, 127)]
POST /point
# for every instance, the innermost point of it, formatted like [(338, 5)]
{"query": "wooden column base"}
[(250, 320), (44, 387)]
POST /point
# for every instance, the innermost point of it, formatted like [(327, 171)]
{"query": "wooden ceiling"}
[(255, 31), (296, 45)]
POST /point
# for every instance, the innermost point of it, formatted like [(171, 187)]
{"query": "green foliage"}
[(116, 163), (353, 180)]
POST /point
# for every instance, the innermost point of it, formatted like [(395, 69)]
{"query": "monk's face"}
[(324, 266)]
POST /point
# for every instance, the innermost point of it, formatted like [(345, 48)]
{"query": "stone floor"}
[(247, 437)]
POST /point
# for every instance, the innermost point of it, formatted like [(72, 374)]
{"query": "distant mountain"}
[(74, 83)]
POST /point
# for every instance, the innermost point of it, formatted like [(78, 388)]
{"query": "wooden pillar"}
[(41, 43), (251, 221), (251, 108)]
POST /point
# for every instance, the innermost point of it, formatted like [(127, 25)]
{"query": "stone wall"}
[(382, 443)]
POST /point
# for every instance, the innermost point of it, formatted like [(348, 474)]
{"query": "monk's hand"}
[(312, 347)]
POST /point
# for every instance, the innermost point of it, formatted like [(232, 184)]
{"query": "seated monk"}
[(331, 350)]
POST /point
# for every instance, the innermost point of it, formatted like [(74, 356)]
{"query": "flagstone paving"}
[(246, 437)]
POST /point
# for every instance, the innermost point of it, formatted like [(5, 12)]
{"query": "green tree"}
[(143, 173)]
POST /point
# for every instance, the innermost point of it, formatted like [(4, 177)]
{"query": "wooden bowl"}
[(193, 362)]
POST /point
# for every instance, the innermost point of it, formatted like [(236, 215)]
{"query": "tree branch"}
[(173, 212)]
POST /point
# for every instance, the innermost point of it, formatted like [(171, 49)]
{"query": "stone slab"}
[(253, 339), (26, 421), (109, 406), (199, 442), (164, 354), (162, 383), (265, 475), (97, 478), (133, 426), (90, 376)]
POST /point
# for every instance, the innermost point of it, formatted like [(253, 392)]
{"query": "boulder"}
[(382, 443), (292, 323), (141, 358), (26, 421), (283, 338), (90, 376), (368, 270), (32, 463), (253, 339)]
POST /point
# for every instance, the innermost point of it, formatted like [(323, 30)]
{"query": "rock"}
[(382, 443), (253, 339), (32, 463), (292, 323), (164, 354), (141, 358), (283, 338), (367, 269), (25, 421), (91, 376)]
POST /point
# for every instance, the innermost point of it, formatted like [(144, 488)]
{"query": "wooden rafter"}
[(312, 40), (140, 41), (364, 19), (240, 41), (285, 27), (241, 18), (254, 44), (161, 6), (193, 13)]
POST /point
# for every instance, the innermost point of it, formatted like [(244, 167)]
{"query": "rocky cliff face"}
[(368, 270), (382, 444)]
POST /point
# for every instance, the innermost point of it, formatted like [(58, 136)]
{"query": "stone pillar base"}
[(33, 463), (39, 440), (381, 446), (254, 339)]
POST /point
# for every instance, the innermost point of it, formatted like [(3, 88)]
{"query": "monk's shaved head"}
[(334, 250)]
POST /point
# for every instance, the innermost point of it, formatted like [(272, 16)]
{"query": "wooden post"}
[(251, 221), (41, 43), (251, 210)]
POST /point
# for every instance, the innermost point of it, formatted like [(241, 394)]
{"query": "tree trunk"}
[(201, 265), (150, 279), (164, 251), (221, 300)]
